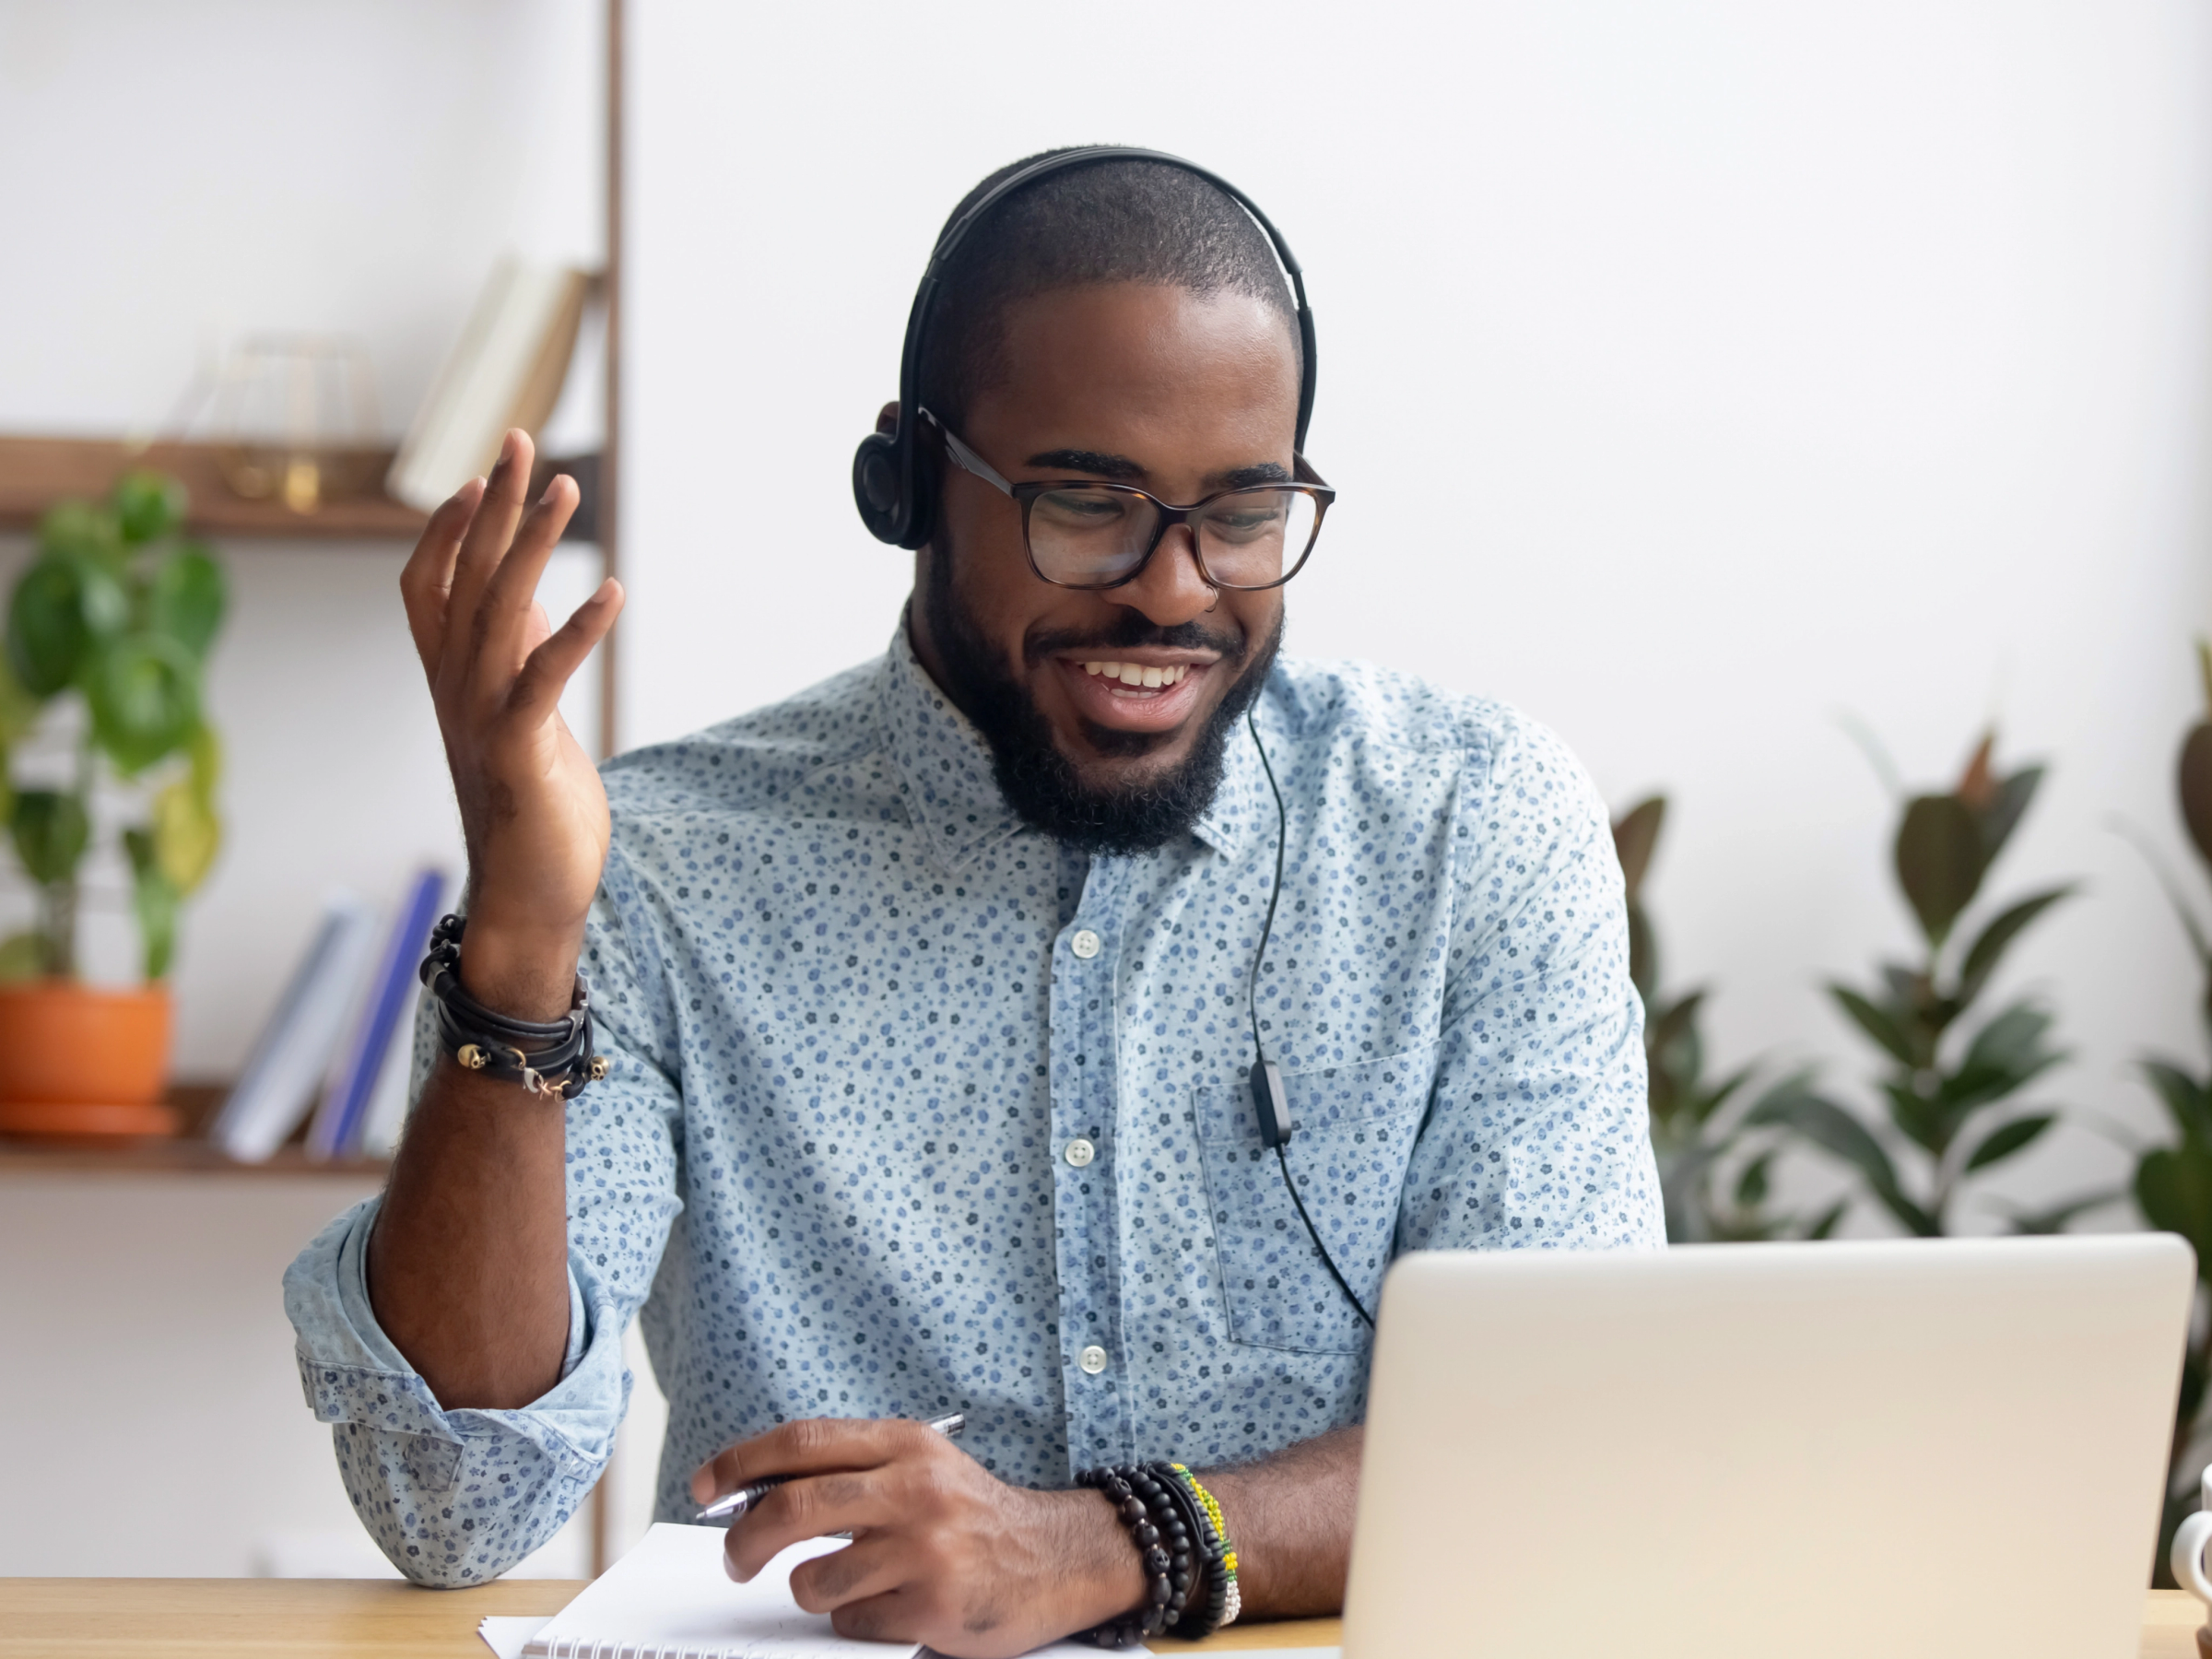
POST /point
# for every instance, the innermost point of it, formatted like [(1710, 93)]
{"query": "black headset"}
[(897, 501), (896, 494)]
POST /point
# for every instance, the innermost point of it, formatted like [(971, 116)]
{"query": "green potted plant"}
[(107, 635), (1948, 1095), (2173, 1184), (1715, 1153)]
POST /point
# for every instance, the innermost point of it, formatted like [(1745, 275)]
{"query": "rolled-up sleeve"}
[(1538, 1132), (457, 1497)]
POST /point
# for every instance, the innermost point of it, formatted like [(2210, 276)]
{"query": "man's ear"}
[(887, 418)]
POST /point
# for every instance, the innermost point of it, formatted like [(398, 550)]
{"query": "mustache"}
[(1134, 629)]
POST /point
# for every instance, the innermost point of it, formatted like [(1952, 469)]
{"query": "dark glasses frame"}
[(1308, 483)]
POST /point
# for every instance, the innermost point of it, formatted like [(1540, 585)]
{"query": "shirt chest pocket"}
[(1355, 1128)]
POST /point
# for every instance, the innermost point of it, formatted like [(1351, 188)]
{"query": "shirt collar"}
[(943, 763), (947, 785)]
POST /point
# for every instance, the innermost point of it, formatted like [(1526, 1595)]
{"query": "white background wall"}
[(1767, 362)]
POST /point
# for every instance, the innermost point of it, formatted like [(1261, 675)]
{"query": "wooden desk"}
[(381, 1619)]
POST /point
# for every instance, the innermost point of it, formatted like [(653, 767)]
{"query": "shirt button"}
[(1085, 944), (1080, 1152), (1092, 1360)]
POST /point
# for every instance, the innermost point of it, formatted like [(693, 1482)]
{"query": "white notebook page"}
[(670, 1595)]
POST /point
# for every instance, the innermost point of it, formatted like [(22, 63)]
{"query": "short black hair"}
[(1107, 221)]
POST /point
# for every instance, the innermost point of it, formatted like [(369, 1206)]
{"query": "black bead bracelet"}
[(1151, 1501)]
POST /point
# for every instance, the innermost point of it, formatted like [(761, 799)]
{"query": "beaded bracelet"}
[(1224, 1600), (1145, 1497)]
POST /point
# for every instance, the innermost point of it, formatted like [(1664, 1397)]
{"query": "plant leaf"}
[(2009, 1139), (144, 690), (186, 835), (1644, 954), (2173, 1190), (1824, 1225), (2003, 816), (2186, 1100), (148, 505), (1635, 836), (1877, 1022), (2055, 1219), (155, 899), (51, 833), (1922, 1122), (186, 598), (1835, 1131), (1982, 955), (2192, 782), (61, 610), (1940, 858), (83, 530)]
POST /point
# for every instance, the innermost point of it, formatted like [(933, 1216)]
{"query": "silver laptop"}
[(1909, 1450)]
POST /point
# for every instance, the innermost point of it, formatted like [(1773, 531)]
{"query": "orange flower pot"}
[(84, 1060)]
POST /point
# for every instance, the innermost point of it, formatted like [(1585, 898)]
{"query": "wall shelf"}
[(187, 1154), (37, 472)]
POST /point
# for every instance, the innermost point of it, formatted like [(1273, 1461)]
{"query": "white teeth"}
[(1137, 674)]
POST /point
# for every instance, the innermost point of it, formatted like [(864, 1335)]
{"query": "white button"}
[(1092, 1360), (1080, 1152), (1085, 944)]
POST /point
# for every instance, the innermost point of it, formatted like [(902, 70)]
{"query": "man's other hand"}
[(943, 1552), (532, 809)]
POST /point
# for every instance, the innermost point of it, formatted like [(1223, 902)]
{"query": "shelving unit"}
[(37, 472), (187, 1154)]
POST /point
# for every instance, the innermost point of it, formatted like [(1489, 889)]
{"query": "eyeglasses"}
[(1099, 536)]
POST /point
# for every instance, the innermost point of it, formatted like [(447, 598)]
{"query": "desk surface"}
[(357, 1619), (373, 1618)]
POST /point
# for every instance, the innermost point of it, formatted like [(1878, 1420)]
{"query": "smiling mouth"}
[(1137, 675)]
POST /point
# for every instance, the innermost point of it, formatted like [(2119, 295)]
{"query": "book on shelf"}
[(507, 370), (378, 1036), (280, 1078)]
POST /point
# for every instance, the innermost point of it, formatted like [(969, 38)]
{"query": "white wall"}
[(1691, 373)]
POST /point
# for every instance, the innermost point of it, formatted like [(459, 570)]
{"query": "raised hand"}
[(533, 811)]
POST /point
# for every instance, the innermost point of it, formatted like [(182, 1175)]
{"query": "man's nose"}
[(1169, 590)]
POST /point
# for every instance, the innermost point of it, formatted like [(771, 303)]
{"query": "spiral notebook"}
[(669, 1596)]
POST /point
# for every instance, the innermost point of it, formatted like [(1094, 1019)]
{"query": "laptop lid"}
[(1924, 1448)]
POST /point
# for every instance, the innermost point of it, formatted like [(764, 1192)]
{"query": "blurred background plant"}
[(112, 619), (1937, 1096), (2173, 1184), (1716, 1153)]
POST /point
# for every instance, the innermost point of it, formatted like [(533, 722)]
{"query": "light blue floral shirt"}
[(913, 1110)]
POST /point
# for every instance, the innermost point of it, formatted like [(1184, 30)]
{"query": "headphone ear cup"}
[(883, 507)]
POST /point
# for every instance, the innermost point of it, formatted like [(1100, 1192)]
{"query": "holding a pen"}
[(726, 1510)]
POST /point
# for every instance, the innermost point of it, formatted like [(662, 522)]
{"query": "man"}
[(930, 996)]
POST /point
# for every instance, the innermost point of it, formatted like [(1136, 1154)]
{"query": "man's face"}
[(1181, 395)]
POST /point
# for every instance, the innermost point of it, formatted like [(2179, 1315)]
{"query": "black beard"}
[(1046, 789)]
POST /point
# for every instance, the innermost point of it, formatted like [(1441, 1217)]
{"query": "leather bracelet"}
[(548, 1057), (1146, 1499), (1211, 1553)]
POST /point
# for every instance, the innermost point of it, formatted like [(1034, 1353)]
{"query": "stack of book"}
[(340, 1040)]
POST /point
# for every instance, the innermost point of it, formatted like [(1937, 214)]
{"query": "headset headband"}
[(884, 474)]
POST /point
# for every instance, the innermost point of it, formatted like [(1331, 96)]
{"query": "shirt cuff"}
[(351, 1371)]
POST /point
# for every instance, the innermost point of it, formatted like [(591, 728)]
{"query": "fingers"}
[(500, 623), (810, 1445), (870, 1567), (815, 1507), (492, 529), (429, 574), (544, 675)]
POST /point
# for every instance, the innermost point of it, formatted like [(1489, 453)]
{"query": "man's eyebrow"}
[(1119, 467), (1122, 470)]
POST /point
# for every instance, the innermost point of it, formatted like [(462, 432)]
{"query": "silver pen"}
[(726, 1510)]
